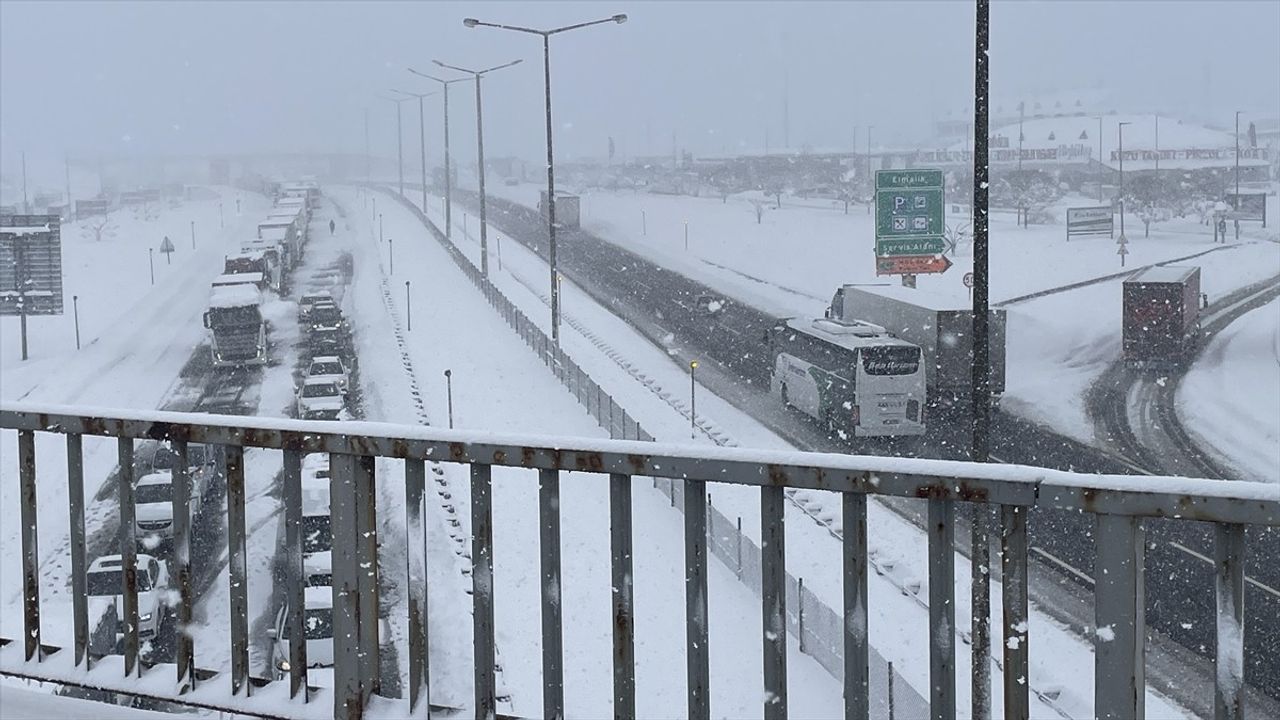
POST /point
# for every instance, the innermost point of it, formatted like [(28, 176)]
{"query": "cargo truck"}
[(1161, 323), (942, 327), (567, 209), (237, 330)]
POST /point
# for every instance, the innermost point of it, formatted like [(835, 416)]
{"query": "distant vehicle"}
[(941, 327), (854, 378), (319, 400), (315, 472), (317, 532), (237, 330), (153, 502), (567, 215), (325, 316), (256, 279), (511, 182), (199, 458), (308, 302), (329, 367), (105, 587), (253, 260), (326, 341), (1161, 315)]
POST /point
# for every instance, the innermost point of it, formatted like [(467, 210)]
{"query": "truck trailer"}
[(1161, 323), (237, 330), (941, 327), (567, 209)]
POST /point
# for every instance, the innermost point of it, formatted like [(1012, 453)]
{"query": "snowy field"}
[(1232, 394), (652, 387)]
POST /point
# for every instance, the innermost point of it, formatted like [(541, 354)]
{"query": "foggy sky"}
[(157, 78)]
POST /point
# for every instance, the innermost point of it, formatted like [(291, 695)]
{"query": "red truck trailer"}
[(1161, 315)]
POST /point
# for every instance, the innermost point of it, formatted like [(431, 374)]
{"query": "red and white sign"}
[(912, 265)]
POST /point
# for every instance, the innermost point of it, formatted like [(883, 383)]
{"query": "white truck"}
[(567, 209), (237, 330)]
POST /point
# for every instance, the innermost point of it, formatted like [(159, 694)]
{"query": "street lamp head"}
[(693, 364), (470, 22), (620, 18)]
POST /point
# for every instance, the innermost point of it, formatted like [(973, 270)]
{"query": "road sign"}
[(968, 279), (910, 221), (1097, 220), (166, 245), (30, 265), (912, 265), (891, 247)]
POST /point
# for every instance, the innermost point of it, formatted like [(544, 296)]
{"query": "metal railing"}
[(823, 633), (1118, 505)]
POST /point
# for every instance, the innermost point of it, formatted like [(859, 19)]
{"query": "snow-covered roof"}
[(275, 232), (254, 255), (851, 336), (251, 278), (156, 478), (24, 229), (1164, 274), (230, 296), (276, 221)]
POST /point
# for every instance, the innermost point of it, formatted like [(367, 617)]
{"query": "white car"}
[(307, 302), (153, 503), (317, 626), (319, 399), (329, 367), (105, 584)]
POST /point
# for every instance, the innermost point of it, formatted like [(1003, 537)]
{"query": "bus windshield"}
[(891, 360)]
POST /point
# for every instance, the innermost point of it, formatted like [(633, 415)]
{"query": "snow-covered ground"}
[(653, 388), (797, 255), (1231, 396), (499, 385), (136, 338)]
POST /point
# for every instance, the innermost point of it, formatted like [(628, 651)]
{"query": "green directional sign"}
[(893, 247), (909, 213)]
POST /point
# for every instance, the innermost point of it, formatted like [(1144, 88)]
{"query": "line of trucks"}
[(238, 331)]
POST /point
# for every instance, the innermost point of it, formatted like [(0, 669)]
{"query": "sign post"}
[(166, 247), (30, 268), (910, 223), (1122, 250)]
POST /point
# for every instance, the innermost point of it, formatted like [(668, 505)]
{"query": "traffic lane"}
[(1062, 538)]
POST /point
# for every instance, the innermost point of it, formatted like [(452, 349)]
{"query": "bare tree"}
[(758, 204), (101, 225)]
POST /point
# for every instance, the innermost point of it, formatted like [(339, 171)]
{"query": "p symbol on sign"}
[(898, 202)]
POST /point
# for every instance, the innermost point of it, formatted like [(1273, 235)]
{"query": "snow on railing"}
[(1118, 503)]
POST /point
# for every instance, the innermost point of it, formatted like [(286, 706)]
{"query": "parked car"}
[(105, 583), (319, 399), (329, 367), (153, 502), (317, 625), (325, 315), (315, 472), (308, 302)]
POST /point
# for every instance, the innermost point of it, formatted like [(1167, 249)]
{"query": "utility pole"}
[(1158, 146), (1099, 158), (484, 233), (368, 159), (786, 110), (67, 165), (26, 208), (980, 534), (422, 141), (1120, 143)]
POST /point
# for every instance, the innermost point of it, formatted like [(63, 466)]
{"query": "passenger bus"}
[(853, 377)]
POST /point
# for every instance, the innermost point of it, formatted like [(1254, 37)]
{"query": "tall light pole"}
[(551, 175), (448, 170), (1237, 202), (484, 236), (871, 181), (1157, 147), (422, 140), (399, 139), (1100, 174), (1120, 136)]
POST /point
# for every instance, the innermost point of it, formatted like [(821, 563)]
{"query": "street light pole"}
[(1237, 201), (484, 234), (693, 407), (1099, 158), (871, 181), (399, 140), (448, 174), (422, 140), (1120, 135), (551, 176)]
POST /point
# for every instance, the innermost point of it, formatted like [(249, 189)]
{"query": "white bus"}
[(853, 377)]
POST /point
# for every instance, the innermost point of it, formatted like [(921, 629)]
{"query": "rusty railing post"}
[(128, 554), (773, 600), (620, 544), (942, 610), (79, 583), (1119, 689), (30, 553)]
